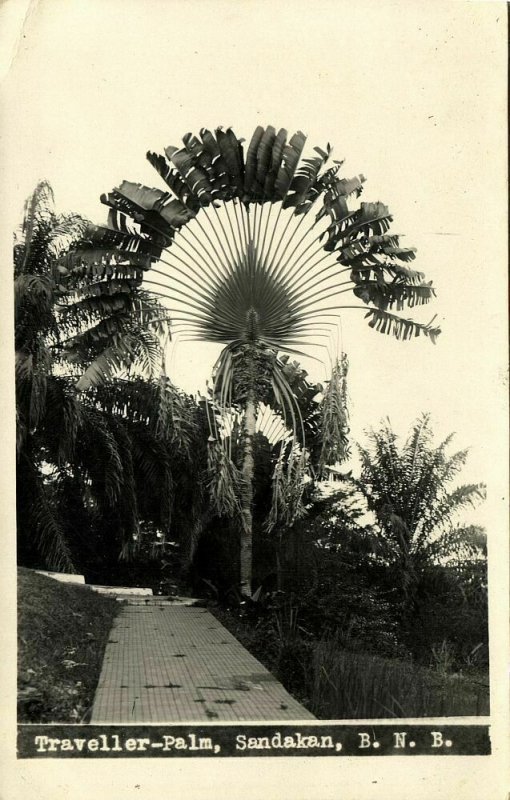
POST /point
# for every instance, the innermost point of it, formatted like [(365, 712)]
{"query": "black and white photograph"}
[(255, 399)]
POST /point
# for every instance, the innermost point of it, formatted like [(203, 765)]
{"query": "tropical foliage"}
[(115, 462), (408, 489), (258, 249), (389, 589), (345, 631), (84, 456)]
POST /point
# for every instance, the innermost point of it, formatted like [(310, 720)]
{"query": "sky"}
[(411, 95)]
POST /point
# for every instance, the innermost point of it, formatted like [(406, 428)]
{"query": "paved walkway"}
[(167, 663)]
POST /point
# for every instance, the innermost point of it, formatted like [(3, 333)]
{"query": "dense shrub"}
[(337, 574), (450, 611)]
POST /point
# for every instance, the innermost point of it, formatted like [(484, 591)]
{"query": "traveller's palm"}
[(260, 250)]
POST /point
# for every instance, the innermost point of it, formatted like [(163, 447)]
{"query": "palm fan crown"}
[(235, 269)]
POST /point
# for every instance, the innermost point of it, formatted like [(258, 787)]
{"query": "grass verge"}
[(347, 685), (336, 683), (62, 634)]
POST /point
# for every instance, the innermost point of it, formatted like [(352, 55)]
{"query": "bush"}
[(450, 607)]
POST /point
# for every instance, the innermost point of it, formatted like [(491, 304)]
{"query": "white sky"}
[(409, 94)]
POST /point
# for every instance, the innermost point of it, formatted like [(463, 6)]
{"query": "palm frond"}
[(287, 491), (224, 482), (61, 422), (31, 371), (68, 230), (97, 450), (126, 349), (387, 323), (467, 495), (39, 213), (47, 531), (388, 295), (334, 418)]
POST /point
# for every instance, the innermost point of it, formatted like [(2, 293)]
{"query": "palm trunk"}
[(247, 495), (279, 566)]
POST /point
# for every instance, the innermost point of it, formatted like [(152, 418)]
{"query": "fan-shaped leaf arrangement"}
[(258, 244)]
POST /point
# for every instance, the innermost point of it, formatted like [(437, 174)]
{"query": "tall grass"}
[(338, 683), (348, 685)]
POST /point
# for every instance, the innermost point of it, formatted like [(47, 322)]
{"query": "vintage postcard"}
[(255, 399)]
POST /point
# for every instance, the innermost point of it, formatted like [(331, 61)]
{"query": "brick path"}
[(179, 664)]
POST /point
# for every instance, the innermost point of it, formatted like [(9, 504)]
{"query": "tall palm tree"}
[(407, 486), (259, 249)]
